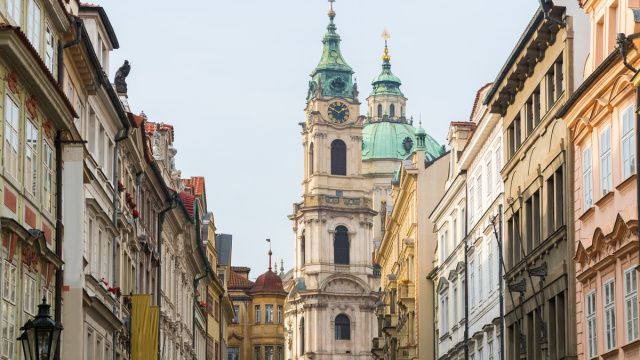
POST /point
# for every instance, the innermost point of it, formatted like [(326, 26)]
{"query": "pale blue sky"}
[(232, 77)]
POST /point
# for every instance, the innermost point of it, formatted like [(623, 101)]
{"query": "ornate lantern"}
[(41, 335)]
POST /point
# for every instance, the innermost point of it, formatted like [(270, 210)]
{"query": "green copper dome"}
[(332, 76), (386, 83), (395, 140)]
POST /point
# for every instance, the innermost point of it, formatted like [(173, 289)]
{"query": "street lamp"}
[(41, 335)]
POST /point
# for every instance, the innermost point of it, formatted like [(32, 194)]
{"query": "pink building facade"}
[(601, 118)]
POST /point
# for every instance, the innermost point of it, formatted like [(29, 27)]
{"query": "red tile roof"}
[(196, 183), (268, 281), (238, 282), (189, 202), (240, 269), (43, 66), (135, 120), (152, 127)]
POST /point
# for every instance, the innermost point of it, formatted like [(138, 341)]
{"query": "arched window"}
[(341, 246), (392, 111), (380, 111), (302, 249), (343, 327), (401, 111), (301, 336), (338, 158), (311, 159)]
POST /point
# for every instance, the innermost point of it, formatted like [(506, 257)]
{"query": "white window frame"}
[(609, 304), (15, 10), (268, 313), (34, 23), (480, 283), (489, 178), (590, 306), (472, 300), (490, 263), (471, 204), (479, 191), (8, 311), (587, 178), (30, 292), (445, 313), (11, 152), (498, 165), (47, 173), (631, 304), (50, 49), (627, 142), (606, 177), (31, 146)]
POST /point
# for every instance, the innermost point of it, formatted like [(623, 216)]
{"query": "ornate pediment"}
[(443, 284), (342, 285)]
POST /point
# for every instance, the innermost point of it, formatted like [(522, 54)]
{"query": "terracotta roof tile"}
[(152, 127), (196, 183), (477, 101), (239, 269), (189, 202), (238, 282), (135, 120), (43, 66)]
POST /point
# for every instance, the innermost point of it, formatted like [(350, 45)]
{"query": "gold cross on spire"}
[(386, 36)]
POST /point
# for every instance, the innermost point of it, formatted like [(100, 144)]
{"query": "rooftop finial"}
[(269, 241), (332, 13), (386, 36)]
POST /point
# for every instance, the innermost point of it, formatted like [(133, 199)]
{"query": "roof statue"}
[(121, 76)]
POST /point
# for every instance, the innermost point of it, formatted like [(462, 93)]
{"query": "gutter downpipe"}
[(78, 22), (161, 216), (114, 280), (221, 317), (500, 280), (59, 231)]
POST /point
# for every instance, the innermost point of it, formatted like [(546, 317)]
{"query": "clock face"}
[(338, 112)]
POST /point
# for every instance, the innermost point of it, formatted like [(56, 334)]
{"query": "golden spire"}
[(386, 36)]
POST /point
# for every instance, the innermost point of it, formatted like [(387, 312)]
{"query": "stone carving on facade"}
[(121, 76), (30, 104), (175, 173), (12, 81), (157, 152)]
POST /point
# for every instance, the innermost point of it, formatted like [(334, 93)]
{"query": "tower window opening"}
[(343, 327), (341, 246), (338, 158), (301, 336), (311, 159), (380, 111), (392, 111), (302, 249)]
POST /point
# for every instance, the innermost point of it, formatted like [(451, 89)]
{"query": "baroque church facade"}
[(349, 164)]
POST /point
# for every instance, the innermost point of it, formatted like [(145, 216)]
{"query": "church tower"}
[(331, 303)]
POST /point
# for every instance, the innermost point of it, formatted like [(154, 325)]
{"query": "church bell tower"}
[(331, 303)]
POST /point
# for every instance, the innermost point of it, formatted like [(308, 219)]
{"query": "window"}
[(472, 282), (479, 197), (15, 10), (455, 304), (343, 327), (628, 144), (338, 158), (30, 295), (490, 349), (587, 184), (268, 353), (49, 50), (257, 314), (471, 205), (631, 304), (444, 311), (379, 111), (302, 330), (609, 316), (9, 296), (11, 131), (233, 353), (47, 172), (268, 314), (392, 111), (279, 314), (280, 352), (490, 264), (489, 179), (341, 246), (302, 249), (480, 283), (591, 324), (33, 24), (236, 318), (311, 159), (498, 163), (256, 353), (31, 158), (606, 182)]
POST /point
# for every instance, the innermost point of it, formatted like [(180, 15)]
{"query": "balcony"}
[(334, 202), (389, 324), (408, 293), (377, 348), (407, 352)]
